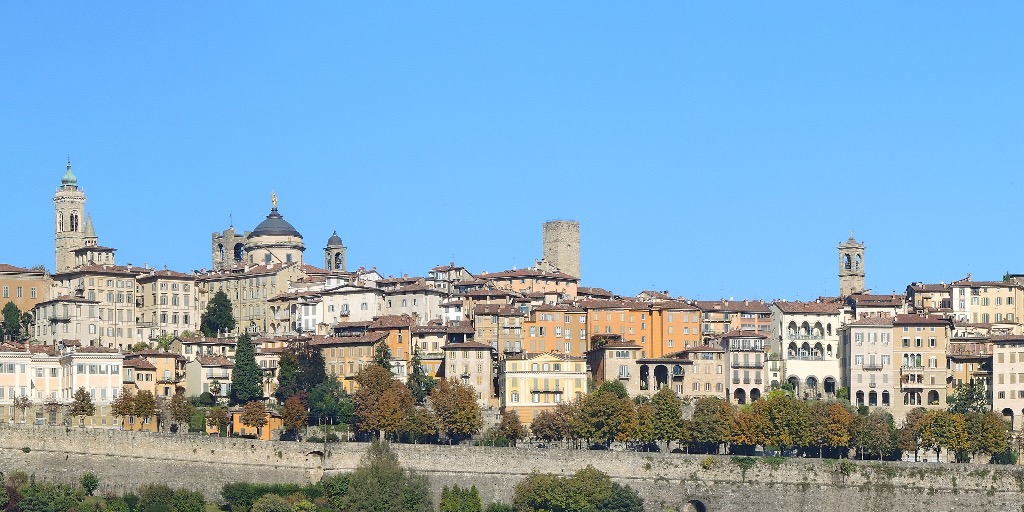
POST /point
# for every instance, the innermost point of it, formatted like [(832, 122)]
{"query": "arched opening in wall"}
[(695, 506), (818, 350), (660, 376), (873, 399), (238, 252), (220, 253), (847, 262), (327, 262), (812, 387), (830, 386), (740, 396), (1008, 416), (792, 349), (933, 397), (858, 262), (805, 329), (860, 398), (339, 262), (795, 382), (885, 399), (645, 377), (791, 329), (755, 394), (818, 331), (74, 221), (60, 222)]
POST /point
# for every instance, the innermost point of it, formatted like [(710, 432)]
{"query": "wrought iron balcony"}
[(871, 366)]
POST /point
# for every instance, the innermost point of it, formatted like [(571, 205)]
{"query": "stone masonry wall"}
[(126, 460)]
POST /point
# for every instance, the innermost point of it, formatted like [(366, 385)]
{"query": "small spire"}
[(90, 232), (69, 177)]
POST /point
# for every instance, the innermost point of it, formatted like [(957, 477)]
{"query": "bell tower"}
[(851, 267), (69, 221), (334, 254)]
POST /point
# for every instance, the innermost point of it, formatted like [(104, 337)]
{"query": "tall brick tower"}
[(69, 221), (562, 245)]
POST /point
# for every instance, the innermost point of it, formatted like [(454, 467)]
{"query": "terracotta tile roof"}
[(461, 329), (391, 322), (563, 307), (208, 341), (614, 304), (495, 309), (1011, 338), (922, 287), (364, 339), (527, 272), (398, 280), (796, 307), (420, 286), (733, 306), (214, 361), (469, 345), (617, 344), (679, 305), (594, 292), (8, 347), (245, 271), (489, 292), (113, 270), (872, 320), (96, 350), (865, 300), (155, 353), (154, 274), (88, 248), (743, 334), (447, 268), (69, 298), (342, 325), (139, 364), (525, 356), (49, 350), (921, 320), (18, 270), (313, 270)]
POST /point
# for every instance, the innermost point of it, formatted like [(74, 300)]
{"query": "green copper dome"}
[(69, 178)]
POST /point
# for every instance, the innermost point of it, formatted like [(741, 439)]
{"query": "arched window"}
[(328, 262), (858, 262), (220, 251), (847, 263), (74, 221), (339, 262), (238, 252), (60, 222)]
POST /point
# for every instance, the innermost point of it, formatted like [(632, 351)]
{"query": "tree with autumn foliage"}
[(458, 413), (421, 425), (545, 427), (746, 430), (393, 409), (219, 417), (605, 417), (909, 437), (511, 427), (786, 420), (294, 414), (373, 381), (987, 433), (145, 405), (830, 427), (945, 430), (873, 433), (181, 411), (254, 415), (711, 424)]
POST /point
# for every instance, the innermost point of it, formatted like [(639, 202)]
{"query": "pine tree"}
[(287, 373), (382, 356), (312, 369), (419, 382), (246, 377), (12, 320), (218, 316)]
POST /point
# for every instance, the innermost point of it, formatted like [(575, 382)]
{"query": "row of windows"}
[(918, 342), (97, 369), (7, 292)]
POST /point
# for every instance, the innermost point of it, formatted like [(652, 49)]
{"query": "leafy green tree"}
[(458, 413), (218, 316), (181, 410), (188, 501), (155, 497), (668, 415), (499, 507), (271, 503), (588, 490), (287, 376), (969, 397), (380, 484), (909, 437), (22, 403), (987, 433), (787, 421), (421, 425), (89, 483), (943, 429), (712, 422), (373, 381), (605, 417), (546, 427), (830, 426), (419, 382), (394, 410), (246, 376), (312, 368), (26, 325), (12, 320), (616, 387), (82, 405), (459, 499), (329, 403), (382, 355), (623, 498)]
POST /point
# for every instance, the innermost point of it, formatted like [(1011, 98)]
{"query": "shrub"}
[(89, 483), (708, 463), (271, 503), (499, 507)]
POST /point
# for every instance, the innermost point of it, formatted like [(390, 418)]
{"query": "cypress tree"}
[(246, 377), (217, 317)]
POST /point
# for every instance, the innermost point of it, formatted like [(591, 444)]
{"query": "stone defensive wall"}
[(125, 460)]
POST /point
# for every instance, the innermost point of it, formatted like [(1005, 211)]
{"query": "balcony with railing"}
[(868, 367), (748, 364), (799, 336), (59, 317), (736, 380)]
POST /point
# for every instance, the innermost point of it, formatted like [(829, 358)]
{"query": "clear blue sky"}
[(711, 149)]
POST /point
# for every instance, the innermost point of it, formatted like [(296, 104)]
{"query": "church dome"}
[(334, 240), (68, 178), (274, 225)]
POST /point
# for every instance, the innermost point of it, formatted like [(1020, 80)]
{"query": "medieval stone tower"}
[(334, 253), (69, 221), (851, 267), (562, 245)]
